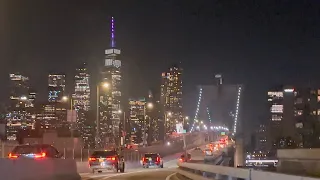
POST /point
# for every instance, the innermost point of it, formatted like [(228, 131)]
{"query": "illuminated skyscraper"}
[(81, 103), (56, 87), (109, 105), (136, 119), (81, 97), (171, 97), (19, 116)]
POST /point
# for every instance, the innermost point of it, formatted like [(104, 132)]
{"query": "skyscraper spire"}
[(113, 42)]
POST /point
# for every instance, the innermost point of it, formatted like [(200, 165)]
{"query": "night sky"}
[(256, 43)]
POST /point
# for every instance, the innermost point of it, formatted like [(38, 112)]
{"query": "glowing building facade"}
[(136, 119), (56, 87), (110, 99), (19, 116), (81, 103), (294, 117), (171, 98)]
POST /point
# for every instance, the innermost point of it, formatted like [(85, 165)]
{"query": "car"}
[(34, 151), (106, 160), (208, 155), (152, 160), (183, 157)]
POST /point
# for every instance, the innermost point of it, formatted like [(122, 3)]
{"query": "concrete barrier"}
[(299, 161), (41, 169), (199, 171)]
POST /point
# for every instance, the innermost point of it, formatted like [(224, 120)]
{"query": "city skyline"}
[(204, 42)]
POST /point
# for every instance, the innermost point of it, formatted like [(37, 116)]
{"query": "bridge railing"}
[(208, 172)]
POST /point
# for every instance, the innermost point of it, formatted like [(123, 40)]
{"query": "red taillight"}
[(158, 159), (180, 159), (92, 159), (111, 158), (42, 155), (143, 159), (12, 156)]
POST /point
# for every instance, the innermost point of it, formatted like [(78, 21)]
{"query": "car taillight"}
[(143, 159), (92, 159), (12, 155), (180, 159), (158, 159), (42, 155), (111, 158)]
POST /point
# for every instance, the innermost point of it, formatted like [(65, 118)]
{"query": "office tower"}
[(109, 100), (281, 104), (81, 96), (81, 103), (56, 87), (171, 98), (19, 117), (137, 119), (219, 105), (260, 137)]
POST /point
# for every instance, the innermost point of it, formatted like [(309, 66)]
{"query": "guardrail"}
[(208, 172)]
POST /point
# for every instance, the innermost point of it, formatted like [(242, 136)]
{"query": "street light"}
[(147, 106), (124, 122), (104, 85), (66, 99), (166, 119)]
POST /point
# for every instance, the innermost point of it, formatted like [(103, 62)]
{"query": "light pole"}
[(124, 125), (104, 85), (65, 99), (166, 115), (147, 106)]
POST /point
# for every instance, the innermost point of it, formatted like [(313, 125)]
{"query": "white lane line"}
[(170, 176), (133, 172), (124, 174)]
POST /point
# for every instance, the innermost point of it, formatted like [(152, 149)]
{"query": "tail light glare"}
[(92, 159), (158, 159), (180, 159), (143, 159), (111, 158), (42, 155), (12, 155)]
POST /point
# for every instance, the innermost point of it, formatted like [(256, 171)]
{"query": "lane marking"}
[(170, 176)]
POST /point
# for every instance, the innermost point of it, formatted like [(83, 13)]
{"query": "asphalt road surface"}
[(149, 174), (139, 173), (169, 165)]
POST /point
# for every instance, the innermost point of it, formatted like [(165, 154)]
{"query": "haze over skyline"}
[(258, 44)]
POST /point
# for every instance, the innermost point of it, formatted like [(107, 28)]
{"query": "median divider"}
[(39, 169)]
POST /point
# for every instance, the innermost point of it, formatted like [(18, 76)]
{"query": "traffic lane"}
[(167, 165), (157, 174), (132, 173), (169, 162)]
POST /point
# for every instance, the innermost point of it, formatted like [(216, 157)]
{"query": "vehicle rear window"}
[(104, 153), (151, 155), (26, 149)]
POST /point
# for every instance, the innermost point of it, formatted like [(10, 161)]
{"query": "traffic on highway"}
[(153, 166)]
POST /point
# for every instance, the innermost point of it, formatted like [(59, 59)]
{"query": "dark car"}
[(106, 160), (152, 160), (35, 151), (184, 159)]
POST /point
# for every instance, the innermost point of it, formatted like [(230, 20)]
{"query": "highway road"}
[(140, 173)]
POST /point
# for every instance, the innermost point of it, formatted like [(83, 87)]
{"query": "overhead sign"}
[(71, 115)]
